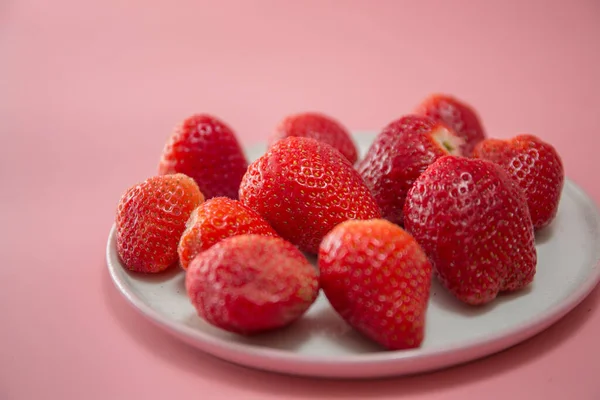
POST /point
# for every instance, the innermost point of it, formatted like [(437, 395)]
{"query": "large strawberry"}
[(458, 115), (320, 127), (472, 221), (377, 277), (151, 217), (399, 154), (536, 166), (248, 284), (303, 188), (217, 219), (206, 149)]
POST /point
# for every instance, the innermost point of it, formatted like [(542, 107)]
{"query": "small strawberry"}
[(207, 150), (248, 284), (472, 221), (377, 277), (536, 167), (303, 188), (399, 154), (320, 127), (215, 220), (457, 115), (151, 217)]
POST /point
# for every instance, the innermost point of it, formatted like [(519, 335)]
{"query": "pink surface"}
[(90, 90)]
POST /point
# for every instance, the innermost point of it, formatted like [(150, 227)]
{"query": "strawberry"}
[(377, 277), (303, 188), (399, 154), (457, 115), (215, 220), (206, 149), (249, 284), (536, 167), (472, 221), (320, 127), (151, 217)]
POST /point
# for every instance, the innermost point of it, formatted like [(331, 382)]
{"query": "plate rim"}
[(452, 355)]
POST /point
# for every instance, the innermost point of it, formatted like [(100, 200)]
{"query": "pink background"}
[(89, 90)]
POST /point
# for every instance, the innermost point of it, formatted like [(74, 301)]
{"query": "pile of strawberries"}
[(433, 198)]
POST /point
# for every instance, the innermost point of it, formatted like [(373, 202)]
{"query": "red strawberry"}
[(215, 220), (399, 154), (536, 167), (151, 217), (251, 283), (303, 188), (458, 115), (472, 221), (377, 277), (207, 150), (320, 127)]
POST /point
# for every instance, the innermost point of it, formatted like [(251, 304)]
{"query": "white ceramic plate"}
[(322, 345)]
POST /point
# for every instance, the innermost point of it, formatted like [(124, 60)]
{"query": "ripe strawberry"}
[(320, 127), (472, 221), (377, 277), (457, 115), (251, 283), (303, 188), (399, 154), (536, 167), (206, 149), (151, 217), (215, 220)]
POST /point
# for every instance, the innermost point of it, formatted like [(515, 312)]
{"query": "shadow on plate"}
[(545, 234), (445, 300), (157, 278), (324, 321)]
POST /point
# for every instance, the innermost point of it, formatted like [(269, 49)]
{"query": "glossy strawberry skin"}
[(151, 217), (377, 277), (217, 219), (537, 168), (457, 115), (320, 127), (206, 149), (472, 221), (303, 188), (249, 284), (399, 154)]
